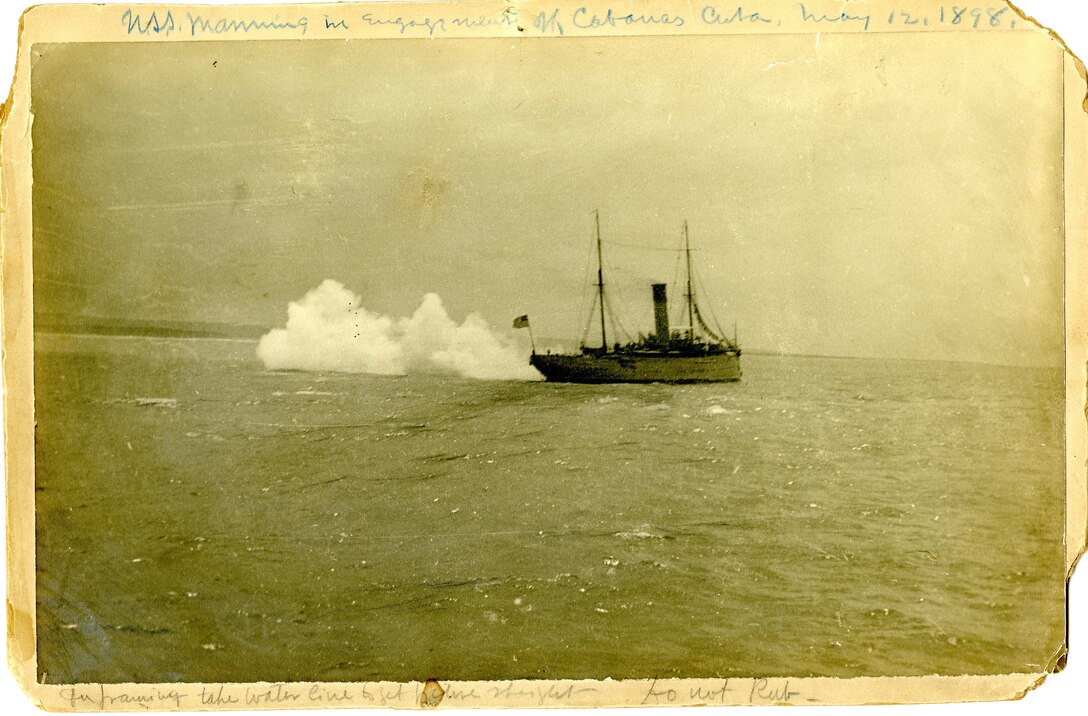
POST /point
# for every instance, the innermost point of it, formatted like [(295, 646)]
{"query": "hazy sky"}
[(890, 194)]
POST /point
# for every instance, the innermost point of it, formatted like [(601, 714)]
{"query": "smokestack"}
[(661, 314)]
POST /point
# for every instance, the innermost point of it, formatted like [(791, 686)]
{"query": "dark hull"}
[(638, 368)]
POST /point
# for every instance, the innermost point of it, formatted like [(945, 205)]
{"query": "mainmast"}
[(600, 279), (691, 295)]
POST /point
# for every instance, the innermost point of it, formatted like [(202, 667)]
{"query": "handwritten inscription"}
[(711, 695), (833, 18), (768, 691), (102, 698), (97, 697), (760, 691), (162, 23), (974, 18), (82, 699), (223, 26), (405, 24), (274, 695), (712, 15), (281, 695), (388, 696), (148, 24), (438, 25), (156, 23), (548, 24), (586, 19), (217, 697)]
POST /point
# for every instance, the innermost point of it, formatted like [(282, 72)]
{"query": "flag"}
[(521, 322)]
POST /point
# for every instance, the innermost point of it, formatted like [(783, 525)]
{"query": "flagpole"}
[(523, 322)]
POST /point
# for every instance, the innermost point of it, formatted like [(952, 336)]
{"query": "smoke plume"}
[(328, 330)]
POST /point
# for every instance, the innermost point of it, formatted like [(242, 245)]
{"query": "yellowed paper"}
[(271, 444)]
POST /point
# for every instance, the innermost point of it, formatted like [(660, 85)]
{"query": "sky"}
[(885, 195)]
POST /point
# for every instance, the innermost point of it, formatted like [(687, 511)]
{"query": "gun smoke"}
[(329, 330)]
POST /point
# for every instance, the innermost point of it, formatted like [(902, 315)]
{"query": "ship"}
[(694, 353)]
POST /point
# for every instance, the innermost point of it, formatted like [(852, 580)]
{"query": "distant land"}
[(102, 326)]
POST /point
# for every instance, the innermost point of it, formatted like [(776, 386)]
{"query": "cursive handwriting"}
[(217, 697), (842, 17), (708, 695), (439, 25), (81, 699), (153, 24), (585, 19), (766, 691), (657, 695), (161, 23), (99, 697), (711, 15), (222, 26)]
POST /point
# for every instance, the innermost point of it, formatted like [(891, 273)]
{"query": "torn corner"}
[(5, 108), (1056, 664), (1031, 687), (1081, 71)]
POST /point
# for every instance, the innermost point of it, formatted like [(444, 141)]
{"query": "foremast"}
[(600, 279), (693, 306), (691, 291)]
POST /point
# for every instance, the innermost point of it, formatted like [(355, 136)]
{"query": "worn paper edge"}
[(68, 23)]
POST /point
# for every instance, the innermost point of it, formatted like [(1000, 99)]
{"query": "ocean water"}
[(202, 518)]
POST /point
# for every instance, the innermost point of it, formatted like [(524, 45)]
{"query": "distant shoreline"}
[(130, 336), (146, 329)]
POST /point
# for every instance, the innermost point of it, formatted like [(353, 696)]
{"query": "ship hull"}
[(638, 368)]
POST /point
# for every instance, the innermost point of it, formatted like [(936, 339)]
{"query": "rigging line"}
[(612, 325), (589, 320), (717, 331), (708, 329), (617, 324), (626, 301), (587, 287), (609, 305), (623, 271), (616, 288), (676, 288), (623, 328), (638, 246), (720, 335), (713, 315)]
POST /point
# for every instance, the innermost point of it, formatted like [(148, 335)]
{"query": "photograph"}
[(556, 357)]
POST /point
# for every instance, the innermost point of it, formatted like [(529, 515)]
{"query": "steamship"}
[(694, 353)]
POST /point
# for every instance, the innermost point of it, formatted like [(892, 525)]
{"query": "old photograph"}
[(547, 357)]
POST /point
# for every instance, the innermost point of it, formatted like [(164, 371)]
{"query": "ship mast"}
[(690, 295), (600, 279)]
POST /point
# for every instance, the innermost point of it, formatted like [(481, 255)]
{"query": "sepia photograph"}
[(420, 359)]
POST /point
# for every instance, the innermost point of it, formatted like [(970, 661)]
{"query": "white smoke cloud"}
[(328, 330)]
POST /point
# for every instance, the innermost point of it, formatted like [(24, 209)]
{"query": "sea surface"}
[(200, 518)]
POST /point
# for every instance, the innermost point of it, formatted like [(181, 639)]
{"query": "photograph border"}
[(100, 23)]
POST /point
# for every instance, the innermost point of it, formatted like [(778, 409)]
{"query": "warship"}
[(693, 353)]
